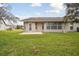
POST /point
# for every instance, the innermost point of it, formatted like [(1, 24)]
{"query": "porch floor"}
[(32, 33)]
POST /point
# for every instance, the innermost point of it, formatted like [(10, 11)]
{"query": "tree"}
[(6, 15), (72, 13)]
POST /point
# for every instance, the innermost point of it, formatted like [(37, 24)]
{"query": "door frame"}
[(39, 26), (30, 27)]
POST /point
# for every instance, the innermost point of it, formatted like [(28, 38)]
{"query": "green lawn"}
[(47, 44)]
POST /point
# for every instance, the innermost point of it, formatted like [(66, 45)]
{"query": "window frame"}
[(54, 26)]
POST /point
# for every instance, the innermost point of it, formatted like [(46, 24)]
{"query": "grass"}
[(47, 44)]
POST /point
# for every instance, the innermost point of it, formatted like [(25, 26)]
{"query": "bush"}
[(19, 27)]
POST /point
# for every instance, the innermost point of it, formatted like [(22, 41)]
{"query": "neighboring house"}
[(2, 27), (7, 27), (48, 24)]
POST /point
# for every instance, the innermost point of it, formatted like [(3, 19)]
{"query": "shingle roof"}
[(43, 19)]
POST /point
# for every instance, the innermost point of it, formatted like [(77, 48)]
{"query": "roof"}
[(44, 19)]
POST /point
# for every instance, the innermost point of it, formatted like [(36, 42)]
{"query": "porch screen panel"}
[(51, 26)]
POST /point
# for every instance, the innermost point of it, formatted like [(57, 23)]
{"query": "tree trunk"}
[(64, 29), (4, 22)]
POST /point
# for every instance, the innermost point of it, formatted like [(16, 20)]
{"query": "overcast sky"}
[(24, 10)]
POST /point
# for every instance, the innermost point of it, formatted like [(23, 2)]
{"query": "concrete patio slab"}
[(31, 33)]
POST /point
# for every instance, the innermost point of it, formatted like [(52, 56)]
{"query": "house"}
[(48, 24), (7, 27)]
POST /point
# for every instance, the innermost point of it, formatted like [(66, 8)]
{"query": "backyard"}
[(12, 43)]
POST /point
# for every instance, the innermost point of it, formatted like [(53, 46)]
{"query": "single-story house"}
[(7, 27), (48, 24)]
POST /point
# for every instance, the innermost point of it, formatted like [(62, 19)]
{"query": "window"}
[(42, 26), (30, 27), (51, 26), (35, 25), (59, 26), (48, 27), (71, 27)]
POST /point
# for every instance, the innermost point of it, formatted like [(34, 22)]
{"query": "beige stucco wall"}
[(26, 25), (67, 27), (39, 27), (75, 25)]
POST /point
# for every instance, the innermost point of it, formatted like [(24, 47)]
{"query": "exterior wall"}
[(47, 30), (67, 27), (39, 26), (75, 25), (4, 27), (26, 26), (33, 26)]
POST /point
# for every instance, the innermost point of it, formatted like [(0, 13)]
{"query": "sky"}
[(25, 10)]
